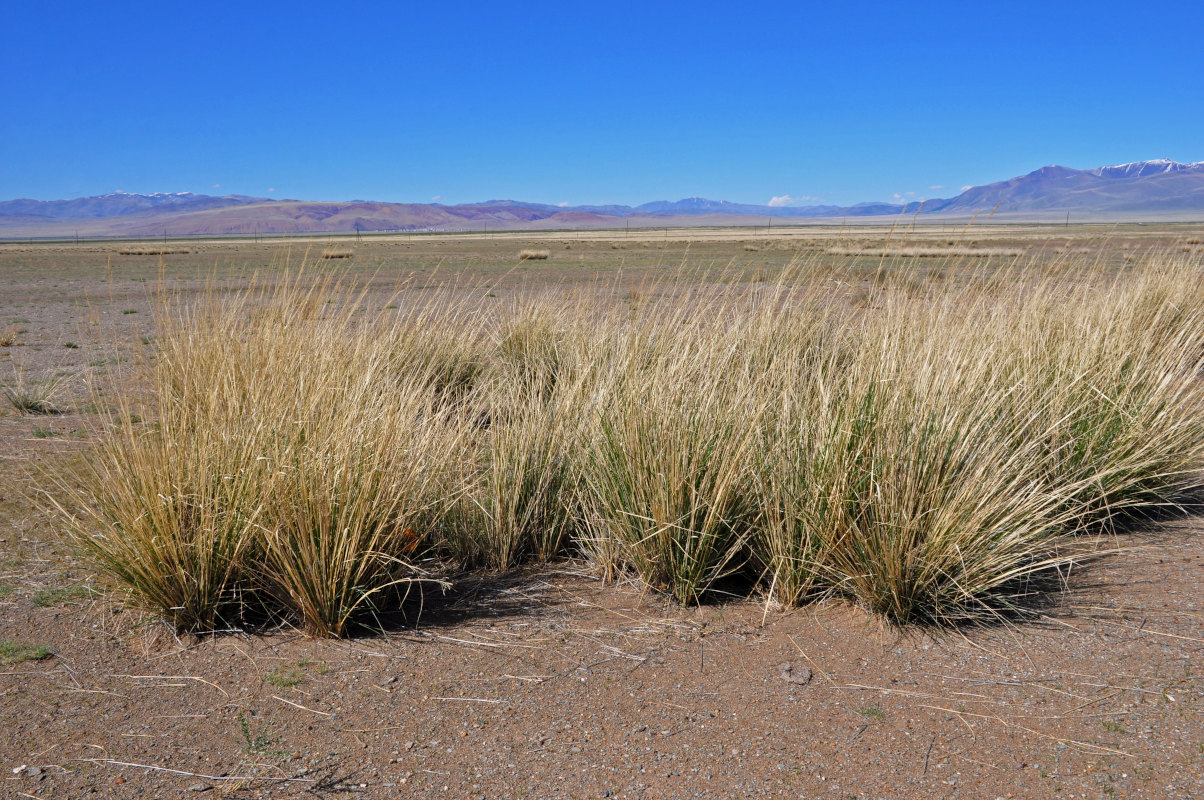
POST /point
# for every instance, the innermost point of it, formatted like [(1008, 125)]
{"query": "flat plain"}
[(542, 681)]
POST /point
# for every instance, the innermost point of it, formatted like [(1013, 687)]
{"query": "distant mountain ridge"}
[(120, 204), (1158, 186), (1140, 169)]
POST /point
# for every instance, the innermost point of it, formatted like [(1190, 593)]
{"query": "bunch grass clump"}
[(941, 453), (521, 498), (33, 397), (285, 473), (666, 484)]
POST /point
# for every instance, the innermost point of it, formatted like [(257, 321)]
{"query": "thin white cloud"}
[(967, 187), (787, 200), (216, 186), (562, 205), (896, 196), (271, 189), (436, 198), (938, 186)]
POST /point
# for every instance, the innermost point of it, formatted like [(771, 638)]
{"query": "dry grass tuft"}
[(337, 252), (534, 255), (33, 397)]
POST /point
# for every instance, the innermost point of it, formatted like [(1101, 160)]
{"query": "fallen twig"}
[(175, 678), (196, 774), (303, 708)]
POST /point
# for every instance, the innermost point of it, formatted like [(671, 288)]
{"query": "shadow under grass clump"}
[(469, 595), (1028, 597)]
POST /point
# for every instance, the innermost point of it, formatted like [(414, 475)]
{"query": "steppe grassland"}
[(934, 442)]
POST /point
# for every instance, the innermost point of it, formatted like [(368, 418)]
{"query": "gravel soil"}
[(548, 684)]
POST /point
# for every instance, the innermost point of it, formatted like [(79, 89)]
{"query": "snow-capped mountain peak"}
[(1140, 169), (161, 195)]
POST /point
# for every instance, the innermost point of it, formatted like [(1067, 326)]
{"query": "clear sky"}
[(618, 102)]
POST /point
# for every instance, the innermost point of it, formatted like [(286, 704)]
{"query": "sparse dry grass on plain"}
[(888, 399), (926, 252)]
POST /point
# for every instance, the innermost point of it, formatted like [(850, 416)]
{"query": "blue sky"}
[(588, 103)]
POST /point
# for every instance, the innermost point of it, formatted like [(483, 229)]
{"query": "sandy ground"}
[(546, 683)]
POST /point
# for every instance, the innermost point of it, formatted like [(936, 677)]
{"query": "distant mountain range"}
[(1145, 189), (117, 204), (1141, 187)]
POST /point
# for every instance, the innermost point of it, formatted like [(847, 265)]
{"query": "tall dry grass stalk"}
[(935, 453)]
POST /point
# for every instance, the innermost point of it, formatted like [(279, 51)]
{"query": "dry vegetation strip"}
[(926, 252), (936, 456), (152, 251)]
